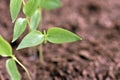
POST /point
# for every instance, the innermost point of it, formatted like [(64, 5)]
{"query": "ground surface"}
[(96, 57)]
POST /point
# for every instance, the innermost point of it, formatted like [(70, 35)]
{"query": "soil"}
[(96, 57)]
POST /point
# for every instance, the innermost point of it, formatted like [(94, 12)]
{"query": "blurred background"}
[(96, 57)]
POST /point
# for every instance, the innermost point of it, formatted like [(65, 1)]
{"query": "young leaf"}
[(50, 4), (30, 7), (32, 39), (12, 70), (59, 35), (19, 28), (5, 48), (15, 6), (35, 19)]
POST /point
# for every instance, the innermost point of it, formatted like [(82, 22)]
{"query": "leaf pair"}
[(53, 35), (21, 23), (6, 51), (29, 8)]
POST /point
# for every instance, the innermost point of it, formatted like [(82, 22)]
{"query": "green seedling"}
[(33, 12), (6, 51), (32, 9)]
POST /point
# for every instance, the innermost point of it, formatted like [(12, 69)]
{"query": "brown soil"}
[(96, 57)]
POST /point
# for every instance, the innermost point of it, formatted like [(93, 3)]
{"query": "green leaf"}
[(35, 19), (5, 48), (30, 7), (59, 35), (15, 6), (34, 38), (19, 28), (50, 4), (12, 70)]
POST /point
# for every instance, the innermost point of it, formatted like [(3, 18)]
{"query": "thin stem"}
[(41, 53), (27, 18), (40, 48), (22, 67), (28, 21)]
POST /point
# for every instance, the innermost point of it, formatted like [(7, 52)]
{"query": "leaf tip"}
[(81, 38), (13, 21), (13, 40), (18, 48)]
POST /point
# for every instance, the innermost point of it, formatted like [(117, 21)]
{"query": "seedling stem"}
[(41, 53), (22, 67)]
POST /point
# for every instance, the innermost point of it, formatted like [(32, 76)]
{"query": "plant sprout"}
[(6, 51), (32, 9), (33, 16)]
